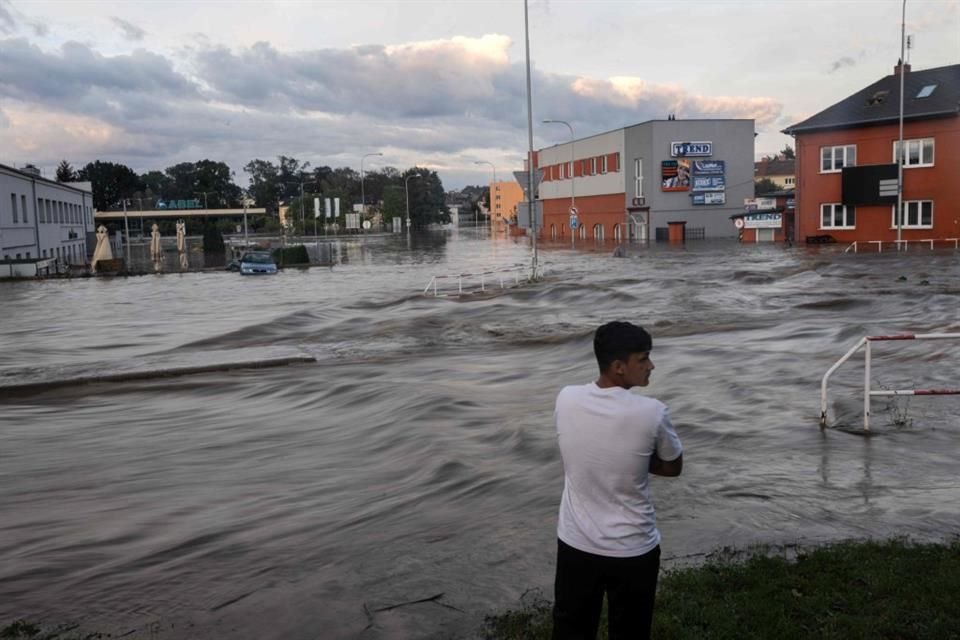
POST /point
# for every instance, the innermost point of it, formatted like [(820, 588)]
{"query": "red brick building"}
[(846, 158)]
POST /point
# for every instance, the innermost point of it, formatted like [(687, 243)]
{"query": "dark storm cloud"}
[(437, 102), (130, 30), (28, 73)]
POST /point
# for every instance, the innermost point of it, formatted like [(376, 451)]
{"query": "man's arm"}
[(666, 468)]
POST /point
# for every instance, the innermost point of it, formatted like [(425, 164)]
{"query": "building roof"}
[(73, 186), (931, 93), (778, 167)]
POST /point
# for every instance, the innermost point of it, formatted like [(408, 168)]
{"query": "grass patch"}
[(882, 590)]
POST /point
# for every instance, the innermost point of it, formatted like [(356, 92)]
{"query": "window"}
[(569, 169), (834, 159), (49, 212), (593, 166), (603, 164), (23, 207), (638, 177), (927, 91), (789, 180), (918, 214), (919, 153), (13, 206), (837, 216)]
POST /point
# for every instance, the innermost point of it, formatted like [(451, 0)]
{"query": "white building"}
[(41, 218)]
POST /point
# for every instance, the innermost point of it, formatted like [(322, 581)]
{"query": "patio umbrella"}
[(155, 242), (181, 235), (102, 250)]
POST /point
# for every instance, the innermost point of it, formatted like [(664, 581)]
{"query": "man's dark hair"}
[(617, 340)]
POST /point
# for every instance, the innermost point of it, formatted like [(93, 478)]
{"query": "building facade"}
[(504, 197), (779, 171), (847, 162), (41, 218), (642, 177)]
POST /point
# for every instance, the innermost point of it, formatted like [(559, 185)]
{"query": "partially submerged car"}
[(256, 263)]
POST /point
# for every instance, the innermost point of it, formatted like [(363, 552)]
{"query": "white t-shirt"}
[(606, 438)]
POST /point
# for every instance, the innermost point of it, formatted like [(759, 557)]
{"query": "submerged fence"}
[(868, 392), (481, 281)]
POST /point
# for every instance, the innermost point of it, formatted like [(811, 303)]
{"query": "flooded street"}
[(417, 455)]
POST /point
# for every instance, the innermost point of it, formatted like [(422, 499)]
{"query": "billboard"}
[(708, 198), (675, 175), (759, 204), (709, 167), (869, 184), (709, 183), (762, 221)]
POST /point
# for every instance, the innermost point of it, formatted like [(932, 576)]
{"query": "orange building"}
[(846, 162), (504, 197)]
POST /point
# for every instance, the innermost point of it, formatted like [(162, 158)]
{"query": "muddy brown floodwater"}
[(417, 455)]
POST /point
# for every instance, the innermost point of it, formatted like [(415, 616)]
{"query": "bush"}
[(291, 255)]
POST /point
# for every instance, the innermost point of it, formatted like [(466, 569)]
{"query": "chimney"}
[(896, 69)]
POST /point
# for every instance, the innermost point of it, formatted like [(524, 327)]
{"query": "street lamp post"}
[(573, 173), (363, 194), (494, 177), (406, 189)]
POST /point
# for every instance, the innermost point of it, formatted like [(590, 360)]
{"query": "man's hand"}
[(669, 469)]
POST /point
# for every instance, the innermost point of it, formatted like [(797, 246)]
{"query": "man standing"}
[(611, 440)]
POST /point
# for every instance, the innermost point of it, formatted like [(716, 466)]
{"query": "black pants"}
[(583, 578)]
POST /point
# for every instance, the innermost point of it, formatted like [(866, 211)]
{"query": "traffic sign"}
[(523, 178), (574, 212)]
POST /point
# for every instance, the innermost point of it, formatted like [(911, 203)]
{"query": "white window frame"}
[(638, 177), (841, 152), (917, 206), (593, 166), (846, 211), (919, 144), (563, 171), (603, 164)]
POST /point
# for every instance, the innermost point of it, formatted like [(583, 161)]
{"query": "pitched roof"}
[(880, 102), (778, 167)]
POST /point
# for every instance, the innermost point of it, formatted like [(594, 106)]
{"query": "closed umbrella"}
[(102, 250), (155, 242)]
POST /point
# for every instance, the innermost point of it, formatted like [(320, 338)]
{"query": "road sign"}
[(573, 222), (574, 212), (523, 178)]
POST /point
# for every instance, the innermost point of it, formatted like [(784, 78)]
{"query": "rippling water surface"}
[(417, 456)]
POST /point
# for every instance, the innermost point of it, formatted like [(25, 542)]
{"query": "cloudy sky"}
[(436, 83)]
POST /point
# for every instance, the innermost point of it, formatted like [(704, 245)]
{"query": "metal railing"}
[(905, 244), (481, 281), (867, 391)]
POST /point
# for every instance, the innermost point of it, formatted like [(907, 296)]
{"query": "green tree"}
[(111, 183), (787, 153), (264, 183), (427, 198), (394, 204), (764, 186), (65, 172)]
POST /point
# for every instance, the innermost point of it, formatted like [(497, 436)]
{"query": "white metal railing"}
[(480, 281), (867, 391), (905, 244)]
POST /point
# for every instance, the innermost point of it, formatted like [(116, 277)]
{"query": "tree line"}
[(271, 185)]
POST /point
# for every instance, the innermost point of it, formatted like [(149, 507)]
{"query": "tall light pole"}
[(530, 170), (573, 173), (406, 188), (900, 151), (494, 178), (363, 194)]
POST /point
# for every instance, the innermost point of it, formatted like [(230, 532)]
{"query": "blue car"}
[(256, 263)]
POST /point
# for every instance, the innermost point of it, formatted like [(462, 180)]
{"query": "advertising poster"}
[(675, 175), (763, 221), (708, 198), (709, 183), (709, 167)]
